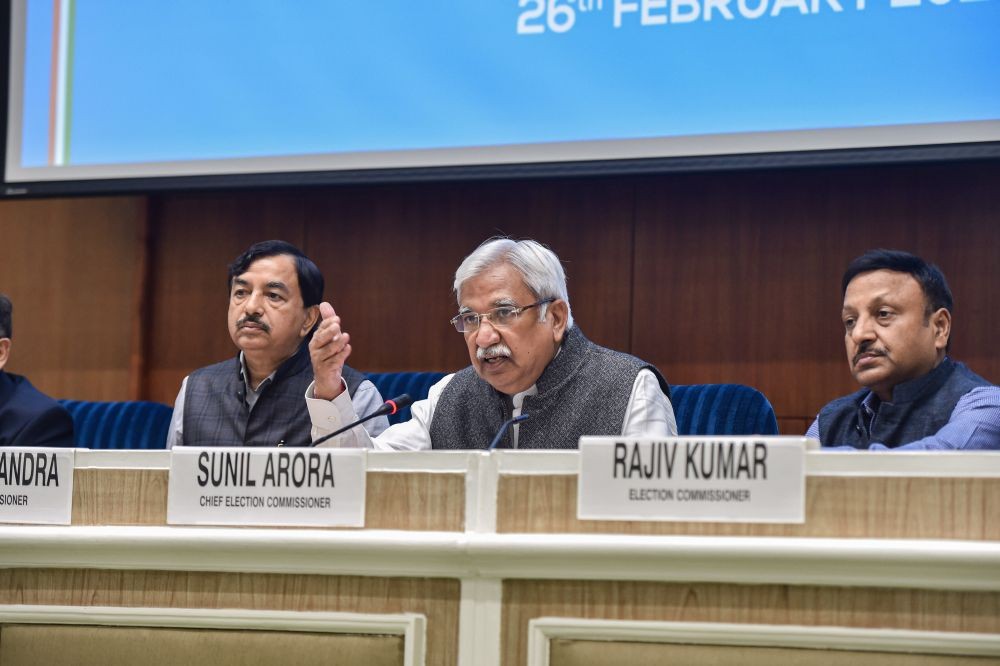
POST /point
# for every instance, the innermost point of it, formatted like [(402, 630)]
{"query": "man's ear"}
[(4, 351), (312, 316), (941, 323), (558, 314)]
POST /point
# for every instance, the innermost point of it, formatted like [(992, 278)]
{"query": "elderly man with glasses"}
[(528, 358)]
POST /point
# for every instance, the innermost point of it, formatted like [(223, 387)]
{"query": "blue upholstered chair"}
[(722, 409), (119, 425), (391, 384), (700, 409)]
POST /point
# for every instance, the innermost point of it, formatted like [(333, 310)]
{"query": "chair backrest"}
[(391, 384), (700, 409), (119, 425), (722, 409)]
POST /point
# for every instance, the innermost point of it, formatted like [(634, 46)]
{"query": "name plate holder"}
[(703, 479), (267, 487), (36, 485)]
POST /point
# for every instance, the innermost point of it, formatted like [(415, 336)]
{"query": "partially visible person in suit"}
[(28, 417), (897, 330)]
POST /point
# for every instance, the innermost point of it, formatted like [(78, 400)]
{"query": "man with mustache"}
[(255, 398), (528, 357), (897, 320)]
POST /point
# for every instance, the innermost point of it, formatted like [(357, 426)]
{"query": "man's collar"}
[(552, 375), (533, 389), (6, 386), (292, 365), (245, 375), (518, 398), (913, 389)]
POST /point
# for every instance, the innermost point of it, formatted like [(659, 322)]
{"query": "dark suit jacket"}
[(28, 417)]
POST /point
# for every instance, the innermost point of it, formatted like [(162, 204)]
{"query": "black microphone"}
[(390, 407), (503, 428)]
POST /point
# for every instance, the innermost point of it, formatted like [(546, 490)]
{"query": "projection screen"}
[(105, 94)]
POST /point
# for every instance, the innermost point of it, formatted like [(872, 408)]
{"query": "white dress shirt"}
[(648, 413)]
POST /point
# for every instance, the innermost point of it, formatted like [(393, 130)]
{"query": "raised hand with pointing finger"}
[(329, 349)]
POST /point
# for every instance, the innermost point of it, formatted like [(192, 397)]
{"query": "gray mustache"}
[(499, 349)]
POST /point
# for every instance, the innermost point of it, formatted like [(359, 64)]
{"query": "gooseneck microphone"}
[(503, 428), (388, 408)]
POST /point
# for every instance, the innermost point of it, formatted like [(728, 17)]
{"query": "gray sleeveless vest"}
[(919, 408), (216, 413), (584, 391)]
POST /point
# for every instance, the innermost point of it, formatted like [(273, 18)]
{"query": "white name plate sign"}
[(710, 478), (278, 487), (36, 485)]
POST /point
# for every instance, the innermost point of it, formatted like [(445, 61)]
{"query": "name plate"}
[(711, 479), (36, 485), (278, 487)]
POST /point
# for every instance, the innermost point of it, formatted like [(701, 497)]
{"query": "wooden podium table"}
[(479, 559)]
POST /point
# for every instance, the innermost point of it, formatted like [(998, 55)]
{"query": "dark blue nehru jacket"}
[(919, 408)]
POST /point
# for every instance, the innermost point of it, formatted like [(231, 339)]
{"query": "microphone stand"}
[(503, 429), (390, 407)]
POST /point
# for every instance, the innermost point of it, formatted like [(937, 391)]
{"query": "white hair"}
[(538, 266)]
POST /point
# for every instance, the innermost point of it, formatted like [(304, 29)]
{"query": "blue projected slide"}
[(135, 88)]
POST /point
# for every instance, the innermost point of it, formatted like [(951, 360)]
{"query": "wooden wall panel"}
[(599, 653), (437, 599), (72, 267), (738, 275), (390, 254), (921, 610), (394, 501), (714, 277), (120, 496), (83, 645), (844, 507)]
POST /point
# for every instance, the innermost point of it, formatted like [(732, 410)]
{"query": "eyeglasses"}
[(501, 317)]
